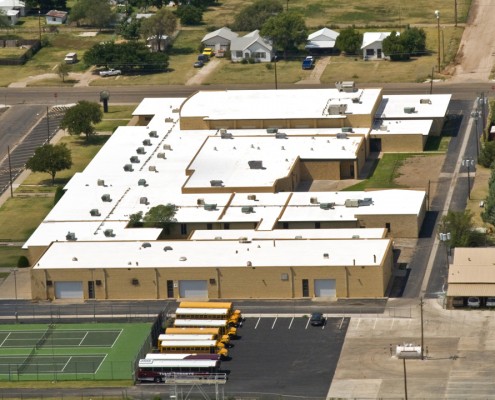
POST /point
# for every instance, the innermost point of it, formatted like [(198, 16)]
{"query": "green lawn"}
[(9, 256)]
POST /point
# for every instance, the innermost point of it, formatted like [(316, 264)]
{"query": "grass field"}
[(9, 256), (70, 351)]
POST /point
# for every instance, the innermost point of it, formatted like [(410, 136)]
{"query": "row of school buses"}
[(195, 345)]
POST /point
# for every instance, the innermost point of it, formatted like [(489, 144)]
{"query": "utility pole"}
[(405, 377), (10, 172), (421, 302), (431, 80), (455, 13)]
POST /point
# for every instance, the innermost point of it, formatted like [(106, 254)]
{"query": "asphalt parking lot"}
[(285, 356)]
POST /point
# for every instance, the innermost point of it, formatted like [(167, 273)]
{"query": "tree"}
[(4, 21), (136, 220), (80, 118), (287, 30), (161, 216), (255, 15), (63, 70), (488, 214), (349, 40), (190, 15), (129, 30), (158, 25), (487, 154), (394, 48), (50, 159), (414, 41), (46, 5), (96, 13), (461, 227)]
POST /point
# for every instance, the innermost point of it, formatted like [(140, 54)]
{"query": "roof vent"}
[(216, 183), (249, 264), (409, 110), (146, 245), (351, 203), (100, 182), (383, 128), (106, 198), (175, 110), (313, 200), (167, 248), (153, 134), (135, 159), (128, 168), (168, 119), (70, 236), (280, 135), (255, 164), (225, 135), (167, 147), (341, 135), (347, 129), (143, 200), (356, 100), (425, 101), (161, 155), (325, 255), (218, 238), (327, 206), (247, 210), (108, 233), (182, 258), (272, 130), (210, 207), (298, 237), (142, 182), (94, 212), (147, 142), (251, 197), (355, 236), (152, 168), (244, 240), (200, 202), (140, 150)]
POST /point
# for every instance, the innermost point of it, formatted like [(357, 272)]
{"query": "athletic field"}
[(70, 351)]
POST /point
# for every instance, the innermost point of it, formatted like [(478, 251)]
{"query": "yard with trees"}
[(50, 159), (81, 118)]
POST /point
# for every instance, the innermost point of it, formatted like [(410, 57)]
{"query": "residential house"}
[(372, 45), (322, 41), (158, 44), (55, 17), (8, 5), (220, 39), (12, 16), (252, 46)]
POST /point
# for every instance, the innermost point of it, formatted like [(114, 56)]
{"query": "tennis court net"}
[(46, 335), (26, 361)]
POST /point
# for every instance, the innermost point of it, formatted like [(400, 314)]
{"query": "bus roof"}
[(192, 331), (202, 311), (188, 343), (147, 363), (181, 356), (204, 304), (167, 337), (206, 323)]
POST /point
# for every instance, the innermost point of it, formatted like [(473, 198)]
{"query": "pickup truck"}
[(111, 72), (308, 63), (208, 51)]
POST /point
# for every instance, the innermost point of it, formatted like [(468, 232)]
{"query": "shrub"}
[(58, 194), (22, 262)]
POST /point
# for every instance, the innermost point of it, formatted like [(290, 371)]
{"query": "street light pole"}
[(475, 115), (468, 163), (437, 14), (405, 378), (421, 302), (275, 62)]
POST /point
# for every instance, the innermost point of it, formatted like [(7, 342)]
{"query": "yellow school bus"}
[(193, 346), (215, 332), (209, 310)]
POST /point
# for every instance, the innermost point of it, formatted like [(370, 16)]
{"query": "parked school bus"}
[(233, 316), (199, 331), (193, 346), (222, 325), (164, 338)]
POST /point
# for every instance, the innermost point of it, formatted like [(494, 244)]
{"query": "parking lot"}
[(285, 356)]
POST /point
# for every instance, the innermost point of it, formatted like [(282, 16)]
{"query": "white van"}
[(70, 58)]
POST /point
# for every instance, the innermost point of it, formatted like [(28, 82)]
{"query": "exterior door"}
[(325, 288), (193, 289), (69, 290)]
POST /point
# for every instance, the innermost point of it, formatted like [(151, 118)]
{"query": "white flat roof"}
[(215, 253), (401, 127), (425, 106), (275, 104)]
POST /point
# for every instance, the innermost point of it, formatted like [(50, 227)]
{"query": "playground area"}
[(71, 351)]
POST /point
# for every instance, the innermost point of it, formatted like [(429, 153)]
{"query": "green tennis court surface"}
[(70, 351)]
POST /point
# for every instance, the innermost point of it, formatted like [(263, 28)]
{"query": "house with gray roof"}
[(253, 46), (219, 39)]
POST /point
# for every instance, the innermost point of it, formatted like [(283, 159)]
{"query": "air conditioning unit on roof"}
[(128, 168), (153, 134), (94, 212), (71, 236), (140, 150), (106, 198), (247, 210), (108, 233), (272, 130), (147, 142), (134, 159), (210, 207)]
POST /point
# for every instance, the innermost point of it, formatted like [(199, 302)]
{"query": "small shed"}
[(55, 17), (13, 16)]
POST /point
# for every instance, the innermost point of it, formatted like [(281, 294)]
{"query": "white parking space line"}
[(274, 322), (256, 326), (393, 322), (359, 321), (291, 321), (342, 322), (307, 323)]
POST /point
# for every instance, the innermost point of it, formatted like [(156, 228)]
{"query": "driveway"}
[(202, 73)]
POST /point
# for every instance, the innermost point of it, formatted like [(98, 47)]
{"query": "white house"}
[(8, 5), (322, 40), (55, 17), (253, 46), (372, 45), (219, 39)]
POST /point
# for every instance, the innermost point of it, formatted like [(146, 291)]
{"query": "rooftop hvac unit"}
[(347, 129), (355, 236), (134, 159), (356, 100), (100, 182), (222, 131), (351, 203), (145, 245), (218, 238), (272, 130), (142, 182), (108, 233), (167, 248), (341, 135), (128, 168), (313, 200), (210, 207), (106, 198), (337, 109), (70, 236), (251, 197), (175, 110), (367, 201), (143, 200), (345, 86), (280, 135), (383, 128), (216, 183), (147, 142), (247, 210), (409, 110), (161, 155), (244, 240), (140, 150), (200, 202), (153, 134), (167, 147), (298, 237), (152, 168), (168, 119), (94, 212), (255, 164), (327, 206), (226, 135), (425, 101)]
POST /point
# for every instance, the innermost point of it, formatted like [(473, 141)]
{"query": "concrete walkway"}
[(317, 72)]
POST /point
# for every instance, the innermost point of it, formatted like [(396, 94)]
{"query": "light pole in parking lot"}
[(421, 303), (437, 14), (468, 162), (405, 378), (476, 116)]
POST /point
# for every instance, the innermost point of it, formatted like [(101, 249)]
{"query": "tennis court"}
[(70, 351)]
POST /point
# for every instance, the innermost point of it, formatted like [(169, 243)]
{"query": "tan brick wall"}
[(405, 226), (398, 143), (193, 123), (319, 170)]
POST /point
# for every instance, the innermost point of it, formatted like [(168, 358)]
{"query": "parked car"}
[(458, 302), (317, 319), (474, 302), (208, 51), (490, 302), (70, 58), (204, 58), (308, 63), (199, 64), (111, 72)]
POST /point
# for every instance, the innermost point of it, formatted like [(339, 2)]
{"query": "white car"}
[(111, 72), (474, 302)]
